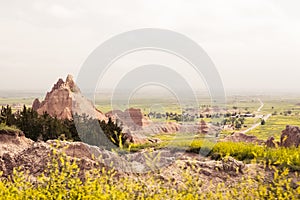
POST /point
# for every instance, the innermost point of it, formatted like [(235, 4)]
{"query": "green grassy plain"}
[(274, 125), (11, 101)]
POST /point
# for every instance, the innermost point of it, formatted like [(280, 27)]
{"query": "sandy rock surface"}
[(65, 99)]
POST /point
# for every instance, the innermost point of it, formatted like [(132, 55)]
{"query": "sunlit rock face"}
[(65, 99)]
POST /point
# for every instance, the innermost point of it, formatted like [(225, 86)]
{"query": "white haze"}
[(254, 44)]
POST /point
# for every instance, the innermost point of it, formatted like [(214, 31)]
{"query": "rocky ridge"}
[(33, 157), (13, 141)]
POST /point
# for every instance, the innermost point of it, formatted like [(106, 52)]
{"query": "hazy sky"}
[(254, 44)]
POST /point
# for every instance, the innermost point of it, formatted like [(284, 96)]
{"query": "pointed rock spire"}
[(65, 99)]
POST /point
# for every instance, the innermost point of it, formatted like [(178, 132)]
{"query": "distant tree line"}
[(187, 117), (80, 128)]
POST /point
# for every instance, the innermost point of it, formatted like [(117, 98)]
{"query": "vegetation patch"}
[(62, 180), (4, 127), (274, 125)]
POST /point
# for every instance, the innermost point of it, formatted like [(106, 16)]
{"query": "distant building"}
[(247, 115)]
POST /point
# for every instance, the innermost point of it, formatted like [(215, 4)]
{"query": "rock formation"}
[(34, 158), (13, 141), (64, 100), (132, 117), (134, 122), (203, 127), (271, 142), (290, 136), (241, 137), (137, 126), (36, 104)]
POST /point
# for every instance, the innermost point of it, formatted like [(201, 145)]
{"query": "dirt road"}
[(264, 117)]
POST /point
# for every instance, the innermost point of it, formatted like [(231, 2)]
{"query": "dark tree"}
[(44, 127)]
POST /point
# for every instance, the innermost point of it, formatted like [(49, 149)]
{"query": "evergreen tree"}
[(45, 127)]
